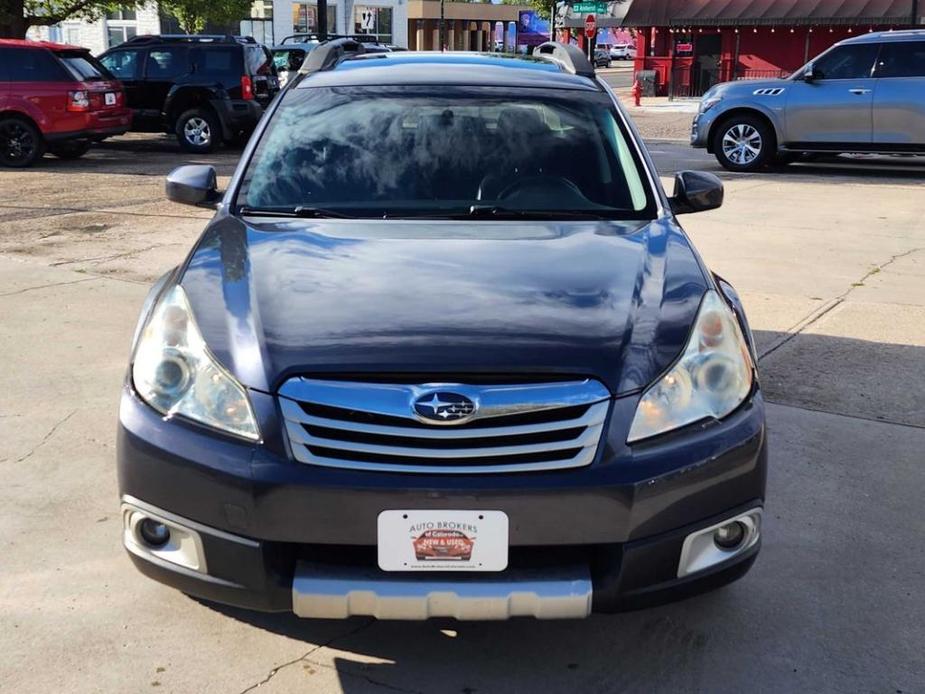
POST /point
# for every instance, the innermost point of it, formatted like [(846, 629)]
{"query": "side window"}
[(902, 59), (166, 63), (217, 60), (32, 65), (848, 62), (123, 64), (6, 59)]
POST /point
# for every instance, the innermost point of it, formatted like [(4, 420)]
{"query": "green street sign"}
[(589, 8)]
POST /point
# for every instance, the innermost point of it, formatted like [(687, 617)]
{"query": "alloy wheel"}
[(742, 144), (17, 143), (197, 131)]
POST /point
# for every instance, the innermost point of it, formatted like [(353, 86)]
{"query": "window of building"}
[(305, 18), (123, 14), (260, 23), (72, 35), (119, 34), (902, 59), (376, 21)]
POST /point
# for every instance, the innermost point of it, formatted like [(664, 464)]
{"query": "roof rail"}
[(186, 38), (305, 37), (328, 54), (571, 58)]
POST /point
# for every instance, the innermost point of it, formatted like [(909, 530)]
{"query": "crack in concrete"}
[(104, 258), (815, 316), (49, 285), (48, 435), (303, 658)]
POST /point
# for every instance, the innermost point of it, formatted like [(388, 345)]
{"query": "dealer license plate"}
[(110, 98), (443, 540)]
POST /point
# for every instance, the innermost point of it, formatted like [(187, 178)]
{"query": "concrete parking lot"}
[(830, 261)]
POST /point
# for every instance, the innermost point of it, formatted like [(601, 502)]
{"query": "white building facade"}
[(273, 20), (111, 30)]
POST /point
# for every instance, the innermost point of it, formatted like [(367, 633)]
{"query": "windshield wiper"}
[(298, 211), (500, 212)]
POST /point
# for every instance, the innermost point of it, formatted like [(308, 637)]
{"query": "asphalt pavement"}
[(830, 261)]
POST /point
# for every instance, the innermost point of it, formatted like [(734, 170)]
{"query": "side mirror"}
[(194, 184), (811, 73), (696, 191)]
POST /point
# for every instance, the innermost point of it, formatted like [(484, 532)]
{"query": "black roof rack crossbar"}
[(571, 58), (328, 54), (187, 38)]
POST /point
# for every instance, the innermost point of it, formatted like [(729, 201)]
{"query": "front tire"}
[(198, 131), (743, 143), (74, 149), (21, 143)]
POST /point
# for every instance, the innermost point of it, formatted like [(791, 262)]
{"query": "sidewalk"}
[(660, 119)]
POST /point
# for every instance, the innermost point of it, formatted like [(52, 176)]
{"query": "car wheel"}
[(743, 143), (74, 149), (21, 144), (197, 131)]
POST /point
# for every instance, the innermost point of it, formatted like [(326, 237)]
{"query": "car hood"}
[(744, 88), (444, 299)]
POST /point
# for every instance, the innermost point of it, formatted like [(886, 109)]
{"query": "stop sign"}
[(590, 26)]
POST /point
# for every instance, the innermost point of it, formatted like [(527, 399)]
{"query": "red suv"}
[(57, 98)]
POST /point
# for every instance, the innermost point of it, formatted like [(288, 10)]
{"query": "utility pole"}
[(442, 27), (915, 13), (323, 20), (552, 21)]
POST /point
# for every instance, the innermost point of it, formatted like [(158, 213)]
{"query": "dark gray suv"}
[(865, 94)]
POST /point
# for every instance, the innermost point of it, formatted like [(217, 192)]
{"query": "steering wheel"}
[(543, 188)]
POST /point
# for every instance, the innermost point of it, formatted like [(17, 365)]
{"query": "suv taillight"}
[(247, 88), (78, 101)]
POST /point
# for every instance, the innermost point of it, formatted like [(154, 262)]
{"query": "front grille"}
[(517, 427)]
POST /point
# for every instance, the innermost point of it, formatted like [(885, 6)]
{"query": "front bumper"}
[(277, 534), (700, 129)]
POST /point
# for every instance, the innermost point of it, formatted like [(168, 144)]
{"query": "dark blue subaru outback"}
[(443, 351)]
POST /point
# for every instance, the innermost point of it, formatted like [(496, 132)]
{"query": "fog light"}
[(729, 536), (154, 533)]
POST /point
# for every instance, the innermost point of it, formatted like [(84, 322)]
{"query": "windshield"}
[(375, 152), (84, 67)]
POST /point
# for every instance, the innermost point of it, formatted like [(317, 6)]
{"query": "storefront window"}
[(376, 21), (260, 24), (305, 18)]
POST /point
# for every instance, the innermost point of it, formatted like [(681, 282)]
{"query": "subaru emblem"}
[(443, 407)]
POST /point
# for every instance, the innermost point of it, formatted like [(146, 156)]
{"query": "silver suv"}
[(865, 94)]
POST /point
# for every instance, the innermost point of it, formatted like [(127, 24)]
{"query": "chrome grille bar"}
[(371, 426)]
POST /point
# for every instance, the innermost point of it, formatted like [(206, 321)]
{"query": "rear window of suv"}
[(393, 151), (84, 66), (34, 65)]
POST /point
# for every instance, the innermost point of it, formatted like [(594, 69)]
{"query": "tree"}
[(194, 14), (16, 16)]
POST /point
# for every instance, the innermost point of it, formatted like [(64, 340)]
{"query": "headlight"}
[(174, 372), (712, 377), (709, 102)]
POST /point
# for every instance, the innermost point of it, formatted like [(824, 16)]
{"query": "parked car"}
[(55, 98), (623, 51), (601, 58), (205, 89), (439, 327), (864, 94), (288, 58)]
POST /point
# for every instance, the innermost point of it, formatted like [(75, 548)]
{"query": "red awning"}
[(644, 13)]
